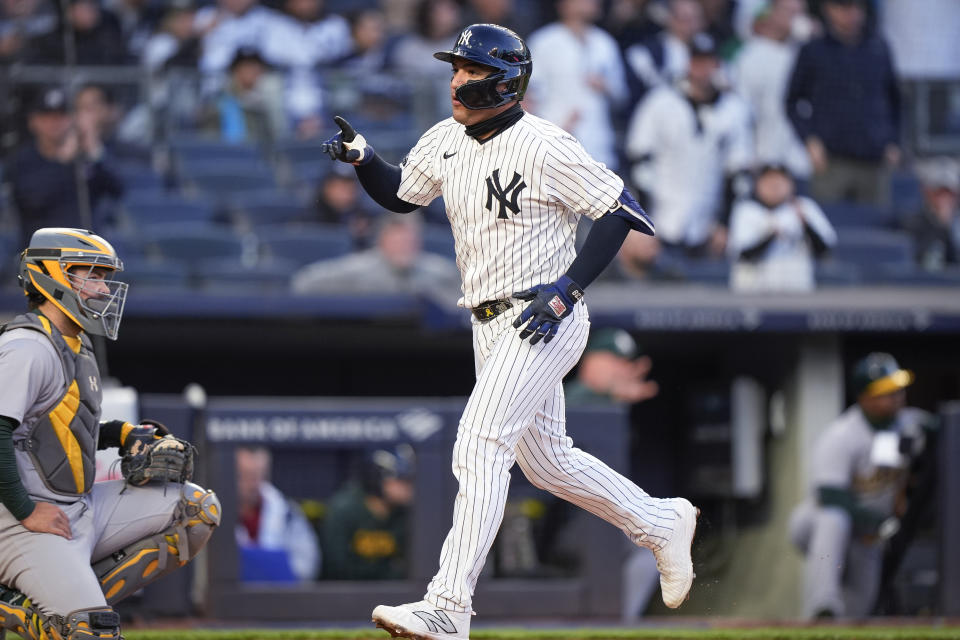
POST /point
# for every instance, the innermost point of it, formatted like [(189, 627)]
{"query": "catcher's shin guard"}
[(18, 615), (127, 570)]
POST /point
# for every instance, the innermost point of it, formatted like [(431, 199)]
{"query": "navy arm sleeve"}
[(13, 495), (602, 244), (381, 180)]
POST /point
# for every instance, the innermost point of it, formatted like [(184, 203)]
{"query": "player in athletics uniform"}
[(514, 186), (69, 548)]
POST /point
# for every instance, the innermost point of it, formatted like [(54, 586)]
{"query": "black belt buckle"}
[(490, 310)]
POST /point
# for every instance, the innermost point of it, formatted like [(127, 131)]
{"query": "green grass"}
[(769, 633)]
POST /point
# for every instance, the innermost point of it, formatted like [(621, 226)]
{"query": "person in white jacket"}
[(580, 77), (691, 150), (776, 236), (266, 519)]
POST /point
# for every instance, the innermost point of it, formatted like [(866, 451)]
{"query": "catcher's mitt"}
[(166, 459)]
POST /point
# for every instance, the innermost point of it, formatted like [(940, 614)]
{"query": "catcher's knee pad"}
[(127, 570)]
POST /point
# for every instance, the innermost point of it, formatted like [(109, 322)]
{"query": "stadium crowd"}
[(766, 137)]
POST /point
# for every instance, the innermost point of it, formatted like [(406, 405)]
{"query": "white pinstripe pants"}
[(516, 414)]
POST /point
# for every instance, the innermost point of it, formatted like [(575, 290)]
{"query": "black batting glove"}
[(550, 304), (348, 145)]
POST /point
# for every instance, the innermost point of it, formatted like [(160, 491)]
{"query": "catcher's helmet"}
[(496, 47), (879, 374), (45, 269)]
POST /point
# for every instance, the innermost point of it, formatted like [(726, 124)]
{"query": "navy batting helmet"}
[(496, 47)]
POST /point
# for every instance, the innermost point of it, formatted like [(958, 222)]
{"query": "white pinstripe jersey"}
[(513, 200)]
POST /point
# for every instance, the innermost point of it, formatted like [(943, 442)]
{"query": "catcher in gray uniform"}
[(861, 464), (69, 548)]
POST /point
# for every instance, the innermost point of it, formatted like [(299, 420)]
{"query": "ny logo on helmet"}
[(508, 196), (465, 38)]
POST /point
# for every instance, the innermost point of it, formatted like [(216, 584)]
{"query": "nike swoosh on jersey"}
[(449, 155)]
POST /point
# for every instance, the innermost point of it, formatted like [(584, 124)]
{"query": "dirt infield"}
[(825, 632)]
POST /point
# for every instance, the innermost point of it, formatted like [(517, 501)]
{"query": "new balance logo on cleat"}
[(437, 621), (422, 621)]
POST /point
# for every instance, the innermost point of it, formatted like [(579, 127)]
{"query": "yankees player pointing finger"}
[(514, 186)]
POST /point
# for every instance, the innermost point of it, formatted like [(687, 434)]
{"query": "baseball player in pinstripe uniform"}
[(69, 548), (514, 187)]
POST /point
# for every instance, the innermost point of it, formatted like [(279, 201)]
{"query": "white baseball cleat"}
[(673, 558), (422, 621)]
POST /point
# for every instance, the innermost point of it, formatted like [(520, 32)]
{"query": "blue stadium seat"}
[(912, 275), (145, 209), (305, 244), (439, 239), (300, 151), (906, 193), (267, 207), (238, 275), (220, 180), (137, 176), (199, 149), (310, 172), (867, 247), (166, 274), (709, 271), (844, 215), (836, 273), (129, 245), (198, 242)]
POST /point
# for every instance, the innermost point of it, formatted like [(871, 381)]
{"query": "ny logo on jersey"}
[(507, 196), (437, 621), (93, 383)]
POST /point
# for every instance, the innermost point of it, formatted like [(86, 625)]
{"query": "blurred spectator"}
[(397, 264), (635, 21), (22, 21), (269, 521), (611, 371), (523, 16), (861, 464), (250, 108), (297, 42), (844, 102), (372, 50), (763, 69), (365, 530), (437, 23), (96, 102), (665, 58), (922, 34), (138, 19), (97, 38), (776, 236), (177, 42), (579, 78), (936, 228), (229, 26), (747, 12), (339, 202), (691, 150), (43, 174), (718, 19)]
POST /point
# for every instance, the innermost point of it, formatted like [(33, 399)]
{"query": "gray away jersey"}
[(513, 201)]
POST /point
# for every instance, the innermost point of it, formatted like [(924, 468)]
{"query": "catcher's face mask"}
[(74, 270)]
